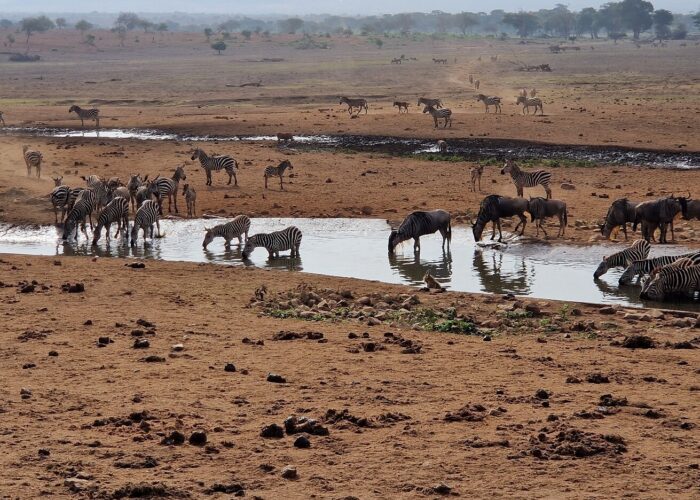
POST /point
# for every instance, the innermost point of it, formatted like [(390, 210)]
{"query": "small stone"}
[(27, 289), (175, 438), (198, 438), (27, 366), (141, 343), (487, 338), (373, 322), (145, 323), (364, 301), (53, 354), (352, 335), (25, 392), (88, 322), (275, 378), (272, 431), (442, 489), (230, 367), (638, 342), (302, 442), (43, 452), (178, 347), (606, 310), (534, 309), (542, 394), (567, 186), (103, 341), (597, 378), (289, 472)]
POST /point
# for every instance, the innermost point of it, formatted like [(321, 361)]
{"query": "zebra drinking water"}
[(535, 102), (679, 280), (418, 224), (99, 186), (523, 179), (32, 158), (238, 227), (191, 199), (640, 268), (59, 199), (425, 101), (117, 211), (163, 187), (145, 217), (277, 171), (216, 163), (143, 193), (81, 210), (274, 243), (638, 251), (440, 114), (86, 114), (360, 104), (490, 101)]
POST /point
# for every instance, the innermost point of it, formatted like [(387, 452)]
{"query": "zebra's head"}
[(196, 154), (68, 227), (180, 173), (521, 99), (393, 240), (73, 108), (602, 269), (629, 274), (507, 167), (135, 182), (208, 236), (250, 245), (428, 108), (653, 289), (96, 235), (57, 181)]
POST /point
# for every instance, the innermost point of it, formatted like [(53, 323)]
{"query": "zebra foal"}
[(117, 211), (2, 119), (238, 227), (86, 114), (277, 171), (522, 179), (439, 114), (135, 182), (475, 173), (274, 243), (216, 163), (145, 217), (191, 199), (59, 199), (535, 102), (360, 104), (32, 158), (638, 251)]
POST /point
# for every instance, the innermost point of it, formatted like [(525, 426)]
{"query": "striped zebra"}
[(163, 187), (238, 227), (191, 199), (640, 268), (82, 209), (490, 101), (99, 186), (32, 158), (677, 280), (86, 114), (523, 179), (277, 171), (535, 102), (425, 101), (475, 173), (216, 163), (143, 193), (90, 196), (360, 104), (286, 239), (73, 196), (59, 199), (440, 114), (2, 119), (120, 192), (135, 182), (638, 251), (117, 211), (146, 216)]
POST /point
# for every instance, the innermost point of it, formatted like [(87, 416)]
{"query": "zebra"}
[(81, 210), (442, 146), (681, 279), (440, 114), (638, 251), (57, 181), (32, 158), (216, 163), (2, 119), (146, 216), (535, 101), (640, 268), (121, 192), (277, 171), (117, 211), (191, 199), (418, 224), (490, 101), (59, 199), (163, 187), (91, 197), (86, 114), (396, 60), (286, 239), (401, 105), (523, 179), (477, 84), (425, 101), (533, 92), (143, 193), (439, 61), (476, 173), (134, 183), (238, 227), (360, 104), (99, 186), (73, 196)]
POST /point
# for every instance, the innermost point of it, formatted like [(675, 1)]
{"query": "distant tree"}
[(246, 34), (128, 20), (696, 19), (465, 21), (290, 26), (560, 20), (610, 18), (61, 22), (378, 42), (162, 27), (524, 23), (229, 25), (225, 35), (83, 26), (31, 25), (636, 15), (219, 46), (10, 39), (146, 26), (680, 31), (257, 30), (6, 23), (208, 32), (121, 32), (443, 22), (90, 39), (404, 22), (662, 24), (587, 22)]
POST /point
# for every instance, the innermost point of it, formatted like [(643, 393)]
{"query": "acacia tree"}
[(128, 20), (636, 15), (61, 22), (696, 19), (525, 23), (610, 18), (587, 22), (83, 26), (5, 23), (31, 25), (662, 24), (208, 32), (120, 31), (465, 21), (219, 46), (290, 26)]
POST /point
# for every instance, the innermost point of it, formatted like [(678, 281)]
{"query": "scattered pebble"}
[(198, 438), (302, 442), (230, 367), (272, 431), (141, 343), (289, 472), (275, 378)]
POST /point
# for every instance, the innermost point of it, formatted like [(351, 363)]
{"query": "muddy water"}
[(469, 149), (357, 248)]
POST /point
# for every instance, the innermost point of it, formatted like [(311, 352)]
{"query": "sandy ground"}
[(460, 412)]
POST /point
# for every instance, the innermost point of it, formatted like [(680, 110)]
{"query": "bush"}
[(219, 46)]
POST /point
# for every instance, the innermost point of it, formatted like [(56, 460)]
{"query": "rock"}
[(25, 393), (145, 323), (487, 338), (88, 322), (373, 321), (154, 359), (272, 431), (276, 379), (74, 288), (53, 353), (230, 367), (103, 341), (175, 438), (352, 335), (597, 378), (638, 342), (567, 186), (178, 347), (307, 314), (289, 472), (542, 394), (607, 310), (75, 484), (683, 322), (364, 301), (26, 289), (198, 438), (141, 343), (534, 309), (302, 442), (442, 489), (656, 314)]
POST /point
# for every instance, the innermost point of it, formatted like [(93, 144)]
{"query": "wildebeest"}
[(285, 137), (541, 208), (692, 210), (401, 105), (656, 213), (418, 224), (493, 208), (619, 214)]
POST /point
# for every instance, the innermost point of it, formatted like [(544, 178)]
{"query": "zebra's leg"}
[(227, 243), (265, 176), (281, 186), (82, 122), (158, 227), (548, 190), (38, 171), (97, 122), (416, 244)]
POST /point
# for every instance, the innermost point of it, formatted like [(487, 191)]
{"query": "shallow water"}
[(357, 248), (469, 149)]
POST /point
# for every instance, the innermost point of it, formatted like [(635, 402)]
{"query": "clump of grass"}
[(448, 322)]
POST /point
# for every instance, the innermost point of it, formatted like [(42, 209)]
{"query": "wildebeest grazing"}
[(418, 224), (656, 213), (493, 208), (638, 251), (541, 208), (620, 213)]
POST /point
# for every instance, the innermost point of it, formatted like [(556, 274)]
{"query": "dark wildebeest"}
[(657, 213), (495, 207), (418, 224), (619, 214), (692, 210), (541, 208)]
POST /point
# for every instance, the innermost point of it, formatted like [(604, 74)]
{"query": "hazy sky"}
[(251, 7)]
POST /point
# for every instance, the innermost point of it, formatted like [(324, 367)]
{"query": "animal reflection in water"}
[(412, 269), (118, 249), (495, 279)]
